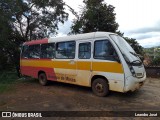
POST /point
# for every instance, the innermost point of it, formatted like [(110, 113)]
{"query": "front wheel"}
[(42, 79), (100, 87)]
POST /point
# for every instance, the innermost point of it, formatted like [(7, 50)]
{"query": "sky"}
[(139, 19)]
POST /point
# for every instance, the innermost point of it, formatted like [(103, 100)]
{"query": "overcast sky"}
[(139, 19)]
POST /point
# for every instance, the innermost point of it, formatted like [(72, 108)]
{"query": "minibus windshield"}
[(125, 48)]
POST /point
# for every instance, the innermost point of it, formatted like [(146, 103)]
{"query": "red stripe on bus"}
[(33, 71), (34, 42)]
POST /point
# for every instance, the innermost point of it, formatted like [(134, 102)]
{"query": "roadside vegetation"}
[(152, 56), (7, 80)]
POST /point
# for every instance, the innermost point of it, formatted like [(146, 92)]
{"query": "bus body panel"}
[(133, 83), (63, 72), (116, 80), (33, 67)]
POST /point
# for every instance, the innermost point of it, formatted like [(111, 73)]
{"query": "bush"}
[(155, 61)]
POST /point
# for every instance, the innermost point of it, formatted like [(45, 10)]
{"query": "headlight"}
[(132, 71)]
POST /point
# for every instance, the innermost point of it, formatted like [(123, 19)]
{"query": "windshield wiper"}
[(135, 54), (136, 63)]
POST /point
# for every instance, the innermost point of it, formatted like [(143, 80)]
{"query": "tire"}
[(100, 87), (42, 79)]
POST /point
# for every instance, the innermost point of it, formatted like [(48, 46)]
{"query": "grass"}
[(7, 79)]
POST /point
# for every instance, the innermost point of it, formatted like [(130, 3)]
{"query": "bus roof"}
[(80, 36), (33, 42), (70, 38)]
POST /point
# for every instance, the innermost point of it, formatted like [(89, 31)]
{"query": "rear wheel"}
[(42, 79), (100, 87)]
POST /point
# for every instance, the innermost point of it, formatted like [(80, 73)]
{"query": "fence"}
[(153, 72)]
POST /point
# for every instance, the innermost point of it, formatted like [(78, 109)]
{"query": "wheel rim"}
[(42, 78), (99, 87)]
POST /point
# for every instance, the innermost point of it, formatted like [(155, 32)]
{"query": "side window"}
[(34, 51), (84, 50), (48, 50), (104, 50), (25, 51), (65, 50)]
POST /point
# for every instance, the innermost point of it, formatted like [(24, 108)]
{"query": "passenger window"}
[(65, 50), (47, 50), (34, 51), (84, 50), (104, 50), (25, 51)]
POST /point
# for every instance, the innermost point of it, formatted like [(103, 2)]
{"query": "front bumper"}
[(133, 83)]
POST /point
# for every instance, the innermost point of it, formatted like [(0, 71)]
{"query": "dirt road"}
[(28, 95)]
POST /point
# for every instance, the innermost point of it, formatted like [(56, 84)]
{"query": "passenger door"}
[(84, 62), (105, 63), (65, 64)]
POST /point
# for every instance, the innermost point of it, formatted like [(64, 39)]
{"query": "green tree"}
[(33, 19), (98, 16), (95, 16), (9, 44), (156, 61), (24, 20)]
